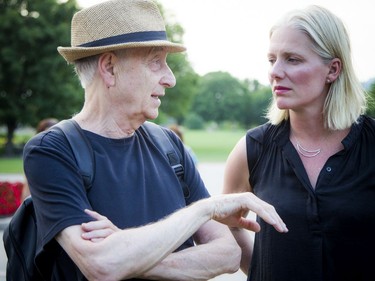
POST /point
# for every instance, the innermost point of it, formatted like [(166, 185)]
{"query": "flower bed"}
[(10, 197)]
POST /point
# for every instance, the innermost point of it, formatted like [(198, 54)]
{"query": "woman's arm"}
[(236, 179)]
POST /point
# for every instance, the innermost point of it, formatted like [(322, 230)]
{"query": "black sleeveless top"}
[(332, 228)]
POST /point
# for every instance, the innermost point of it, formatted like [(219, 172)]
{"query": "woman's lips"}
[(279, 90)]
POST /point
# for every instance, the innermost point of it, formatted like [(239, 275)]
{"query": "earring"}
[(328, 80)]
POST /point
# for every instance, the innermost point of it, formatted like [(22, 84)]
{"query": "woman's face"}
[(298, 76)]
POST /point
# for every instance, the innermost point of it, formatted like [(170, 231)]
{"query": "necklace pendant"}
[(306, 152)]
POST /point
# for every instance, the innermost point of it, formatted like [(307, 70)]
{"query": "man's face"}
[(142, 74)]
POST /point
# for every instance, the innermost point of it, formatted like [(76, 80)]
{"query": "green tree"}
[(222, 97), (219, 97), (34, 80), (178, 99), (254, 105), (371, 104)]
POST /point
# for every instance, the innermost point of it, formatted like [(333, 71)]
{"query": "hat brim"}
[(72, 54)]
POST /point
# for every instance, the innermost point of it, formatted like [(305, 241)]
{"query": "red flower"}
[(10, 197)]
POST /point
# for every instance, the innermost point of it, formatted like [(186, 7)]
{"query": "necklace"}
[(307, 153)]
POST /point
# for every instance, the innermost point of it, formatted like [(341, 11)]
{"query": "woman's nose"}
[(275, 71)]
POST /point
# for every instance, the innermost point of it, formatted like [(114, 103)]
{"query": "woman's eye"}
[(293, 60)]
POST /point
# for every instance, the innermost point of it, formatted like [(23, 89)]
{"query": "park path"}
[(212, 174)]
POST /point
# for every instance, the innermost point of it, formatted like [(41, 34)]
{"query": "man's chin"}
[(153, 115)]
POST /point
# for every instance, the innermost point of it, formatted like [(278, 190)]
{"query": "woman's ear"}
[(105, 64), (334, 69)]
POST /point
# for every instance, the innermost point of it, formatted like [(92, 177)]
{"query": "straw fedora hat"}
[(117, 24)]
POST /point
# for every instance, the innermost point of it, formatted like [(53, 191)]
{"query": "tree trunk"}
[(9, 145)]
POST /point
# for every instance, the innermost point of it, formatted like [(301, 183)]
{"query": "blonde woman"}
[(314, 161)]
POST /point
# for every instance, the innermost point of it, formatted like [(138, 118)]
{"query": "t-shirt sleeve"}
[(56, 184)]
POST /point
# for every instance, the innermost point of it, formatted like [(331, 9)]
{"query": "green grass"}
[(212, 146), (11, 165), (209, 146)]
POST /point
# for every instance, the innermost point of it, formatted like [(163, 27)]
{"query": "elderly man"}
[(142, 227)]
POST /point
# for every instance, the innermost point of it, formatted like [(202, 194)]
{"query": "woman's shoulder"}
[(265, 131), (368, 119), (368, 125), (258, 131)]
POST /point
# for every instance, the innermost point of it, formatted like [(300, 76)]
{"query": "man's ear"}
[(105, 64), (334, 69)]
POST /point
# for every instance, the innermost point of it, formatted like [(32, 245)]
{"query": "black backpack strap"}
[(164, 143), (81, 148)]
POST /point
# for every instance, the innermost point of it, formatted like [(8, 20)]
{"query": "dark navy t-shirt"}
[(133, 186), (332, 227)]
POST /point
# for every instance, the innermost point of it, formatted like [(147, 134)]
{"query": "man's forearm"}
[(202, 262), (131, 252)]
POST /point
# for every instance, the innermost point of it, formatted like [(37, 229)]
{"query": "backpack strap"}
[(164, 143), (81, 148)]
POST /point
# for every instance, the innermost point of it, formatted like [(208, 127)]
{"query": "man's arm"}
[(216, 253), (132, 252)]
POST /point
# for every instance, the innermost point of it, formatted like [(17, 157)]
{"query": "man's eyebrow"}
[(156, 49)]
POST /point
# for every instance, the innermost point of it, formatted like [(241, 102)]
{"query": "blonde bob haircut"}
[(346, 99)]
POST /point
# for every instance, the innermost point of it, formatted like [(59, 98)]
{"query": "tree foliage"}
[(254, 104), (221, 97), (371, 103), (178, 99), (35, 81)]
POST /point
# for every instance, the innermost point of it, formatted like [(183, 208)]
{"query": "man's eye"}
[(155, 64)]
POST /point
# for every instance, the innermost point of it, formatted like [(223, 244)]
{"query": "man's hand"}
[(97, 230), (231, 209)]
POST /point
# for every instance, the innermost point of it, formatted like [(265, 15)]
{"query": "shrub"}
[(10, 197), (194, 122)]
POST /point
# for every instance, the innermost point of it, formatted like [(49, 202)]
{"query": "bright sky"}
[(232, 36)]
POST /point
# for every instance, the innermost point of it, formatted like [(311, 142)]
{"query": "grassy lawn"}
[(11, 165), (209, 146), (212, 146)]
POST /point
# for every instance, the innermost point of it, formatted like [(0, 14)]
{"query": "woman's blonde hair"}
[(346, 99)]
